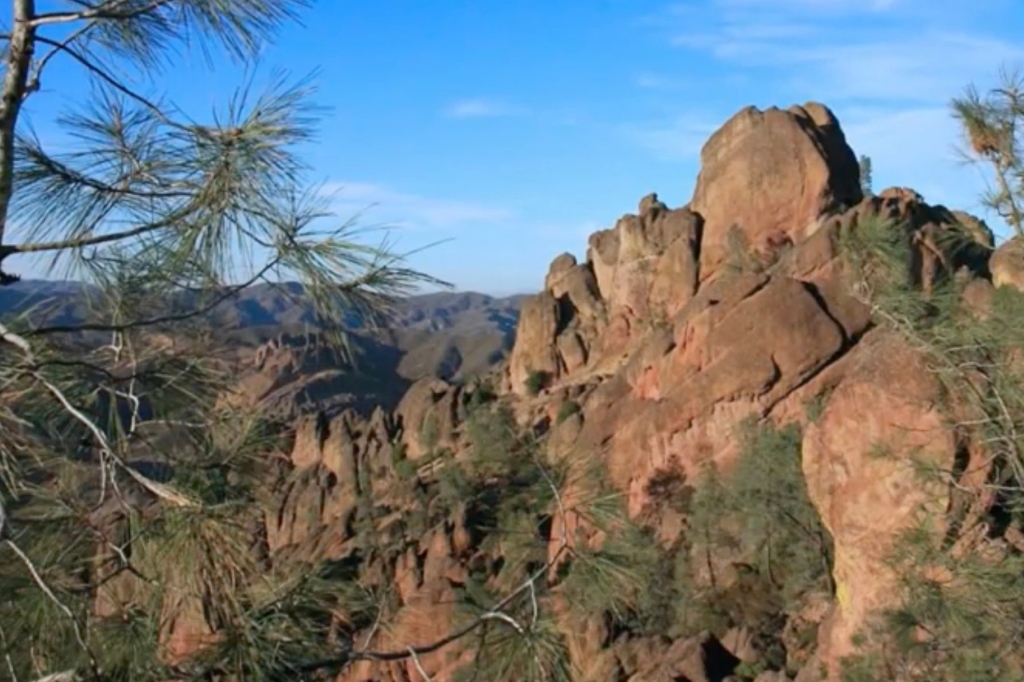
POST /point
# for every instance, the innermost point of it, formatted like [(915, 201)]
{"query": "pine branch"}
[(419, 666), (38, 579), (161, 491), (63, 676)]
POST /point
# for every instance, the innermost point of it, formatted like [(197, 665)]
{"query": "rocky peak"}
[(771, 174), (691, 319)]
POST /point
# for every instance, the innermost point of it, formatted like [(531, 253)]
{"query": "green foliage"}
[(750, 671), (614, 579), (482, 394), (741, 256), (536, 381), (955, 619), (507, 492), (125, 465), (956, 616), (711, 504), (536, 654), (780, 523), (567, 409), (405, 469), (814, 407), (991, 123), (760, 519)]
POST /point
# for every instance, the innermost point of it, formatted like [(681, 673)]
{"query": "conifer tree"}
[(991, 123), (129, 487), (960, 605)]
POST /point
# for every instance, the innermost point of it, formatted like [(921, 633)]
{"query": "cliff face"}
[(679, 325)]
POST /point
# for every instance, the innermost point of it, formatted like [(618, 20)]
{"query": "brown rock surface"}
[(538, 327), (766, 339), (1007, 264), (858, 460), (771, 173)]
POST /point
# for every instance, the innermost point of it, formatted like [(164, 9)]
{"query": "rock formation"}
[(686, 337), (679, 324)]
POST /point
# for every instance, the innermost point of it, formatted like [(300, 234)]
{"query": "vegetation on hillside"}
[(753, 550), (962, 604)]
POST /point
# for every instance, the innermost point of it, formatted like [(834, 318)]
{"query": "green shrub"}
[(398, 452), (405, 469), (769, 491), (483, 393), (536, 381), (814, 407), (567, 409)]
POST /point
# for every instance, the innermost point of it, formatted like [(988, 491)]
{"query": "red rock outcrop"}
[(1007, 264), (685, 340), (772, 174)]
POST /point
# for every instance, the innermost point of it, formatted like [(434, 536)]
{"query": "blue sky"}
[(515, 129)]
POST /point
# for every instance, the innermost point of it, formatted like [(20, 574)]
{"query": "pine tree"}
[(990, 123), (864, 162), (129, 486)]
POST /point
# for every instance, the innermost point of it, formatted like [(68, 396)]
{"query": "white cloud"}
[(481, 108), (931, 66), (394, 207), (653, 81), (912, 51)]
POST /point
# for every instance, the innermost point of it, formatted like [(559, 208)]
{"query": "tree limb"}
[(19, 62), (38, 579), (104, 11)]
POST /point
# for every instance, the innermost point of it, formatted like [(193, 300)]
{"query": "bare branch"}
[(419, 667), (163, 492), (105, 11), (63, 676), (19, 61)]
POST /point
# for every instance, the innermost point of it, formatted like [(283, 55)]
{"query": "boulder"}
[(768, 175), (1007, 264)]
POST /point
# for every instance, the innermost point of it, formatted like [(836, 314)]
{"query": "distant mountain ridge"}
[(281, 307), (283, 361)]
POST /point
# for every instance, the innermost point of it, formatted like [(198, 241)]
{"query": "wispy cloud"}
[(674, 139), (653, 81), (887, 67), (819, 5), (874, 52), (930, 66), (481, 108), (384, 204)]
